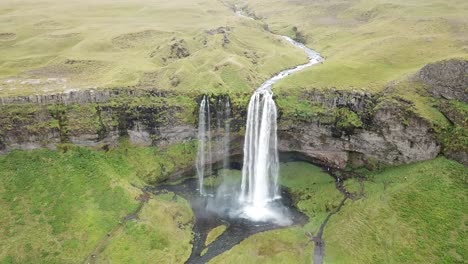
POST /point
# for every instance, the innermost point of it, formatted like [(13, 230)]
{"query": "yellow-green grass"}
[(288, 245), (57, 206), (409, 214), (128, 43), (368, 43), (214, 234), (161, 234)]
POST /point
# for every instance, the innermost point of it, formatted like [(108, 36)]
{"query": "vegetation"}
[(455, 137), (52, 46), (409, 214), (291, 106), (367, 43), (162, 234), (57, 206), (215, 233)]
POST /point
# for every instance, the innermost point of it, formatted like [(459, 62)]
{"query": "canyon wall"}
[(342, 127)]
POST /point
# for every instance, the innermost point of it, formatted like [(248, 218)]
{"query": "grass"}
[(214, 234), (277, 246), (162, 234), (367, 43), (57, 206), (166, 45), (409, 214)]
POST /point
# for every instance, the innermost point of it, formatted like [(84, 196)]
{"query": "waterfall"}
[(259, 183), (204, 155), (226, 136)]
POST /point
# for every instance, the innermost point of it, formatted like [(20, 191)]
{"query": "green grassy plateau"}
[(367, 43), (201, 45)]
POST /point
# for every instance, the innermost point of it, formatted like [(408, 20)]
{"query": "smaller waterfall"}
[(226, 136), (204, 155)]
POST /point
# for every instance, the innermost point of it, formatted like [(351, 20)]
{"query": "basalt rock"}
[(382, 130), (391, 136)]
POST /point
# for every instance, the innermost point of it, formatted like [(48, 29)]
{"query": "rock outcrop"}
[(447, 79), (389, 132)]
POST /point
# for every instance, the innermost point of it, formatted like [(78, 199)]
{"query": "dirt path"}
[(317, 239), (319, 248), (91, 259)]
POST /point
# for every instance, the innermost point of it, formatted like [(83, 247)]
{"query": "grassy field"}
[(56, 206), (200, 45), (162, 234), (409, 214), (367, 43)]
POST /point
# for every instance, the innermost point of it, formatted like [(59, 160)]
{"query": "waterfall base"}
[(218, 208), (274, 212)]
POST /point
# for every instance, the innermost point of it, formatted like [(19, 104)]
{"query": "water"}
[(259, 185), (204, 155), (227, 134), (260, 171), (206, 144), (258, 194)]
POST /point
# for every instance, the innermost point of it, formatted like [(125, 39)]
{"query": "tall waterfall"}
[(204, 155), (261, 164)]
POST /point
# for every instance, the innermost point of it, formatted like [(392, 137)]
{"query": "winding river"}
[(313, 56)]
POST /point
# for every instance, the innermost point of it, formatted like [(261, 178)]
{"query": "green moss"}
[(346, 120), (454, 138), (291, 107)]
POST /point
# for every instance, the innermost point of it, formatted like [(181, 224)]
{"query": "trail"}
[(319, 248), (92, 258)]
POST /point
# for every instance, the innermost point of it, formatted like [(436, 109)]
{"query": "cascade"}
[(204, 155), (226, 136), (259, 183)]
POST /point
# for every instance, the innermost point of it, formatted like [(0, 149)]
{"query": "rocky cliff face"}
[(361, 129), (94, 118), (354, 128)]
